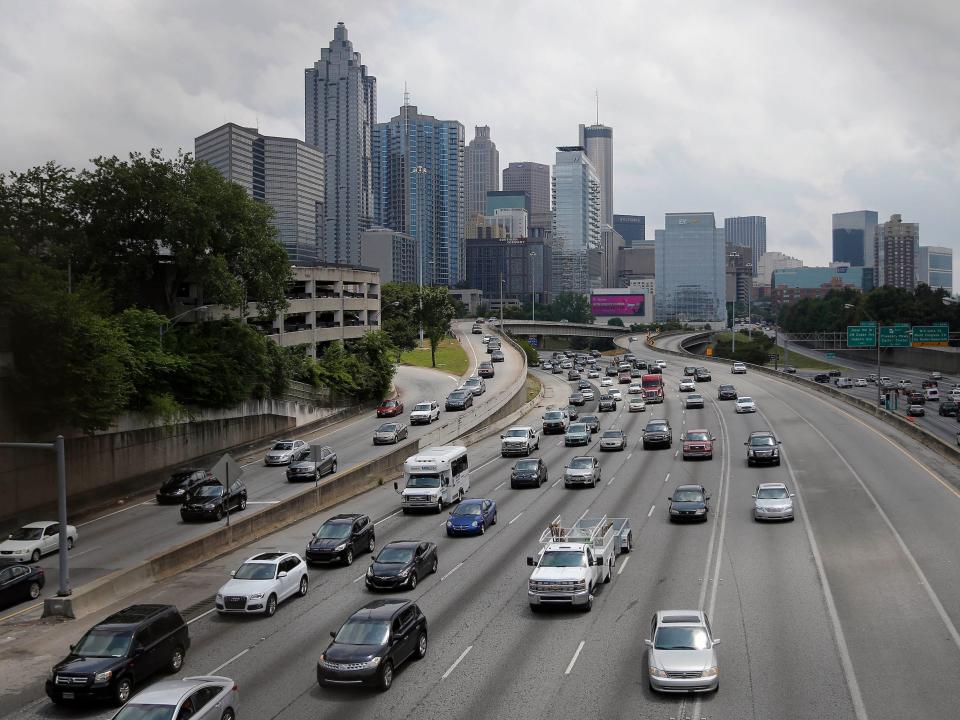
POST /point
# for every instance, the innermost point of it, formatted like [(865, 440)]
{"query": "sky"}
[(792, 110)]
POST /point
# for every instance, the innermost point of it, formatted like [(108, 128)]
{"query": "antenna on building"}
[(597, 95), (406, 95)]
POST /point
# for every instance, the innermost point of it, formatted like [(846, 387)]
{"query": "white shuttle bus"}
[(434, 477)]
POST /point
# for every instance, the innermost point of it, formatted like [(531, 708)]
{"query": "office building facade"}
[(339, 114), (598, 142), (632, 228), (788, 285), (749, 231), (576, 200), (285, 173), (935, 267), (771, 261), (394, 254), (524, 266), (853, 237), (895, 253), (418, 177), (481, 165), (637, 263), (690, 270), (533, 179), (506, 200)]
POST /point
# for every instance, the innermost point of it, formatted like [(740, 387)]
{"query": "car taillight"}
[(236, 686)]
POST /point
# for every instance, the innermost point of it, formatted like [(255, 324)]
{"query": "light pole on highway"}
[(174, 320), (848, 306), (533, 286)]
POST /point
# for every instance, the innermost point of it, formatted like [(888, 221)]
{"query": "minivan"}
[(932, 394)]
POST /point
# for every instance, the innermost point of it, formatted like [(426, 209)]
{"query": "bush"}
[(533, 357)]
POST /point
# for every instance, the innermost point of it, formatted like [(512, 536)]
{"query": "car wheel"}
[(483, 527), (433, 567), (421, 652), (386, 676), (176, 660), (304, 585), (271, 606), (412, 582), (333, 468), (121, 693), (34, 590), (589, 604), (219, 514), (439, 506), (69, 543), (348, 558), (228, 714), (371, 544), (243, 502), (494, 521), (35, 556)]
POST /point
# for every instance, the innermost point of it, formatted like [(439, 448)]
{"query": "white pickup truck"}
[(519, 440), (573, 561)]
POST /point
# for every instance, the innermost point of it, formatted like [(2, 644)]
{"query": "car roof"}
[(582, 457), (703, 430), (383, 609), (768, 485), (344, 517), (267, 557), (681, 617), (135, 614), (40, 524), (171, 692), (403, 543)]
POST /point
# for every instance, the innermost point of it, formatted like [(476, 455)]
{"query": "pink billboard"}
[(627, 304)]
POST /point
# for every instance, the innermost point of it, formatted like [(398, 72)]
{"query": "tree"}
[(574, 307), (615, 321), (401, 310), (533, 357), (437, 313)]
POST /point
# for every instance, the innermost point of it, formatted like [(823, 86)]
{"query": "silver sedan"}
[(772, 501), (203, 697), (390, 433)]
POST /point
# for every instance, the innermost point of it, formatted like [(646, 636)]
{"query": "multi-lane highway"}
[(848, 612)]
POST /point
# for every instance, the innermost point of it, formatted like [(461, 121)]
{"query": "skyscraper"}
[(632, 228), (853, 237), (418, 178), (533, 179), (895, 253), (598, 141), (482, 170), (576, 199), (340, 111), (690, 260), (935, 267), (749, 231), (285, 173)]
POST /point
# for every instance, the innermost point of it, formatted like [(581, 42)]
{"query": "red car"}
[(390, 408), (698, 444)]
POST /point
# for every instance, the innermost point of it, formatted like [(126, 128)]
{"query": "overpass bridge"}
[(546, 328)]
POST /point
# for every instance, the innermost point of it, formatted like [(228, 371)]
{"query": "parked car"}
[(636, 404), (657, 433), (203, 697), (762, 447), (458, 400), (424, 413), (286, 452), (472, 517), (694, 400), (175, 488), (688, 502), (613, 440), (373, 643), (679, 641), (389, 408), (582, 470), (33, 540), (341, 538), (314, 469), (211, 501), (529, 471), (746, 404), (401, 564), (262, 582), (772, 501), (726, 392), (577, 434), (486, 370), (698, 444), (107, 663), (20, 582)]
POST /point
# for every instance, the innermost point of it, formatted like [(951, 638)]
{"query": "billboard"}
[(623, 305)]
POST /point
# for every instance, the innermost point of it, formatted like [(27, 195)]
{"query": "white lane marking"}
[(583, 513), (480, 467), (218, 668), (559, 443), (262, 502), (515, 519), (455, 379), (203, 614), (610, 481), (676, 453), (88, 550), (452, 571), (456, 662), (557, 482), (667, 478), (116, 512), (573, 660), (623, 565), (630, 455), (359, 578), (500, 485), (651, 510), (387, 517)]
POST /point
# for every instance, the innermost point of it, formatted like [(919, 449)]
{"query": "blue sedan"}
[(472, 517)]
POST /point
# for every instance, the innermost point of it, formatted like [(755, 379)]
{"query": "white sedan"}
[(688, 385), (31, 541), (588, 394), (635, 389), (616, 394), (745, 404), (636, 405), (606, 382), (593, 374), (860, 382)]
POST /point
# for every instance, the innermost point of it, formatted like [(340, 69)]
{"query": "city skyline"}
[(804, 151)]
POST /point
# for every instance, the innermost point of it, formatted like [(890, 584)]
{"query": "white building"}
[(598, 141), (771, 261), (935, 267)]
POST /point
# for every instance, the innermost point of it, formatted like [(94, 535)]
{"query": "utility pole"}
[(533, 286)]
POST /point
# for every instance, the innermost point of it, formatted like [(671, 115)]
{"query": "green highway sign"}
[(831, 355), (896, 336), (868, 323), (931, 335), (861, 336)]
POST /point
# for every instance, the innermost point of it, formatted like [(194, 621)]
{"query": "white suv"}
[(520, 440), (738, 368), (262, 582), (425, 412)]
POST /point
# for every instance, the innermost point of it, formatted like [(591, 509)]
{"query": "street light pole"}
[(173, 321), (533, 287), (419, 170)]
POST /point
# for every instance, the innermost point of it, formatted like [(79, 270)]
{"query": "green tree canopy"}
[(437, 313)]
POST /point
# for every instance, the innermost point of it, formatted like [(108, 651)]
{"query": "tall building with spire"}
[(482, 171), (340, 112), (598, 141)]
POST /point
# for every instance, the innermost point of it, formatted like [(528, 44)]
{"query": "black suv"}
[(373, 643), (119, 653), (762, 447), (701, 375), (821, 378), (607, 404), (726, 392), (340, 538), (211, 501), (529, 471), (180, 483), (657, 432)]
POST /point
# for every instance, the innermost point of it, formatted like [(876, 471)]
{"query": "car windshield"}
[(208, 491), (387, 428), (526, 465), (589, 419), (145, 712), (562, 558), (364, 632), (688, 496), (334, 530), (695, 398), (612, 433), (681, 638), (422, 406), (467, 508), (581, 463), (104, 643), (178, 480), (393, 554), (283, 446), (516, 433), (424, 481), (458, 394), (388, 403), (578, 428), (553, 416), (472, 381), (256, 571), (656, 427), (27, 533), (772, 494), (726, 388), (745, 400), (763, 440), (698, 436)]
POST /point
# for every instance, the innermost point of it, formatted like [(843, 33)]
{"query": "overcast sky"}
[(788, 109)]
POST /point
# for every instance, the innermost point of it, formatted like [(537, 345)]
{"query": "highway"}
[(848, 612), (115, 539)]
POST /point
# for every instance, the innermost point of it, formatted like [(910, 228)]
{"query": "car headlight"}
[(750, 452), (256, 596), (475, 523), (404, 573), (50, 675), (776, 451), (700, 511), (372, 662), (208, 506), (220, 597), (340, 547), (370, 571), (102, 677), (179, 491), (655, 671), (449, 523), (712, 670)]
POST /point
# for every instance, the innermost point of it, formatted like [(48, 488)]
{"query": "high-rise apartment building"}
[(935, 267), (598, 142), (632, 228), (418, 180), (482, 171), (285, 173), (895, 253), (690, 260), (749, 231), (576, 199), (392, 253), (533, 179), (853, 237), (340, 111)]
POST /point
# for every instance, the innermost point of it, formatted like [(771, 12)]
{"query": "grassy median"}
[(451, 357)]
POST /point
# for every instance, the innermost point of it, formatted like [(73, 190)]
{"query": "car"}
[(286, 452), (581, 470), (924, 384), (390, 433), (948, 408), (738, 368), (821, 378), (860, 382), (530, 471), (555, 421), (702, 375), (657, 433), (212, 501), (593, 373), (698, 444), (497, 356), (613, 440), (180, 483), (577, 434), (636, 404), (607, 403), (772, 501), (662, 364), (688, 502), (107, 663), (424, 413), (472, 517), (636, 373), (401, 564), (916, 398), (576, 399), (789, 369), (340, 538), (573, 413), (915, 410), (458, 400), (583, 385), (573, 375), (834, 372), (954, 395), (606, 382), (492, 320), (592, 422), (762, 447), (746, 404), (635, 389), (310, 469), (694, 400), (689, 370), (616, 394), (486, 370), (681, 640), (687, 385), (261, 583), (20, 582), (633, 338), (588, 394), (34, 540), (475, 385), (519, 440), (485, 339), (389, 408), (936, 375), (905, 384), (624, 378), (546, 366), (556, 369), (477, 330), (373, 643), (844, 382), (202, 697), (726, 392)]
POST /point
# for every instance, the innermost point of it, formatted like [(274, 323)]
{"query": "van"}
[(932, 394), (434, 477)]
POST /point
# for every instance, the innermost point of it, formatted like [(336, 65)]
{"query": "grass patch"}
[(805, 362), (451, 357), (533, 387)]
